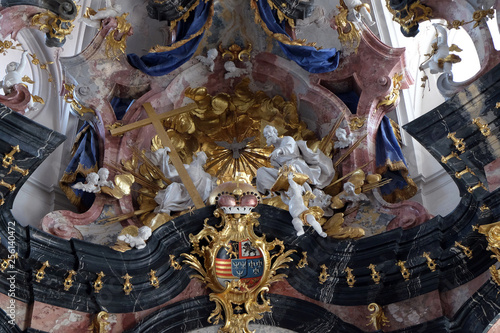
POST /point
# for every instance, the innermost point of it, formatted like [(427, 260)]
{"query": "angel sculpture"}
[(359, 10), (209, 59), (110, 10), (94, 181), (300, 213), (343, 140), (139, 241), (233, 71), (103, 178), (351, 193), (13, 72), (440, 58)]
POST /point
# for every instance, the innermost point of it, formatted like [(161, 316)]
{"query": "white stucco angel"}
[(13, 74), (300, 213), (441, 60), (359, 10), (316, 165), (344, 140), (103, 178), (91, 184), (209, 59), (109, 11), (139, 241), (233, 71)]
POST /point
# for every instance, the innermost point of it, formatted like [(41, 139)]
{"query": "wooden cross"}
[(155, 119)]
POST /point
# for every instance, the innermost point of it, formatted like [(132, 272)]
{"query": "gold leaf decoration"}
[(37, 99), (27, 79)]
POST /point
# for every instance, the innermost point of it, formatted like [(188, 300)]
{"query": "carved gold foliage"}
[(477, 16), (54, 25), (303, 261), (100, 323), (37, 99), (393, 96), (356, 123), (75, 105), (35, 61), (8, 45), (27, 79), (116, 39), (377, 318), (417, 12), (238, 301), (348, 32), (235, 52)]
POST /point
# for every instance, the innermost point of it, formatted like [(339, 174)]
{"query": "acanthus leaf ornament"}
[(238, 266)]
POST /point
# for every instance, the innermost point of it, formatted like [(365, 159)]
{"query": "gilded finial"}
[(40, 274), (127, 286), (98, 284), (459, 143), (350, 277), (375, 275), (323, 276), (68, 281), (100, 323), (153, 280), (174, 264), (8, 262), (9, 157), (464, 248), (485, 130), (430, 263), (453, 154), (303, 262), (404, 271)]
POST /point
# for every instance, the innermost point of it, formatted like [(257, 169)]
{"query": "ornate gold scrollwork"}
[(75, 105), (465, 249), (98, 284), (477, 16), (348, 32), (127, 286), (303, 261), (484, 208), (356, 123), (471, 189), (485, 130), (174, 264), (40, 274), (459, 143), (350, 277), (235, 52), (9, 157), (116, 39), (430, 263), (323, 276), (153, 280), (54, 25), (463, 172), (11, 187), (238, 283), (7, 262), (68, 281), (417, 12), (404, 271), (375, 275), (377, 318), (394, 94), (492, 234), (8, 45), (445, 159), (15, 168), (100, 324)]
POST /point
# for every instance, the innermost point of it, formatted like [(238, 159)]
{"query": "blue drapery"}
[(83, 162), (391, 164), (161, 63), (307, 57), (120, 106)]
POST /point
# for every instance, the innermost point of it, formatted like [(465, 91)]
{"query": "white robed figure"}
[(289, 152)]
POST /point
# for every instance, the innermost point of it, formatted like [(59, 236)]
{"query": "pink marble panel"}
[(15, 310), (54, 319), (492, 171)]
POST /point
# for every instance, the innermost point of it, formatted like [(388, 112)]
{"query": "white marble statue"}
[(322, 200), (175, 196), (139, 241), (233, 71), (293, 198), (358, 11), (439, 62), (110, 10), (161, 159), (343, 139), (349, 194), (13, 74), (209, 59), (94, 181), (316, 165)]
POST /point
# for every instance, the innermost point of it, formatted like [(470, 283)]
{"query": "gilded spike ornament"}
[(238, 266)]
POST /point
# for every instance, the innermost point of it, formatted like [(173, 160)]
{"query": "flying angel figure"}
[(209, 59), (233, 71), (91, 184)]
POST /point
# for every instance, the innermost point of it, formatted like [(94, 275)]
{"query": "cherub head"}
[(12, 67), (92, 178), (103, 173)]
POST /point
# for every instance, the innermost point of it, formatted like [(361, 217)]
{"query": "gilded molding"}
[(377, 319), (465, 249)]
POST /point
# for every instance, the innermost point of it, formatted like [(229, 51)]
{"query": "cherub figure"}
[(359, 10), (351, 193), (139, 241), (233, 71), (91, 184), (209, 59), (13, 72), (343, 140), (103, 178), (110, 10), (300, 213)]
